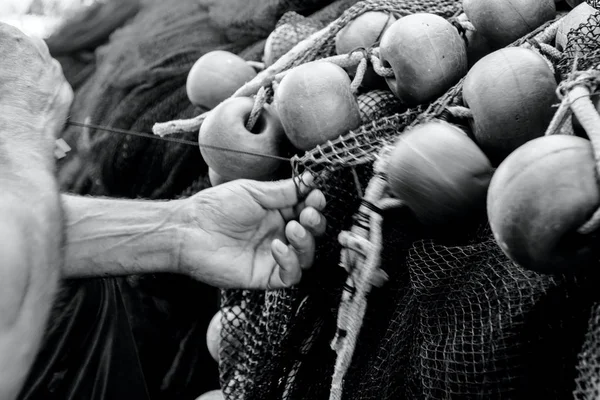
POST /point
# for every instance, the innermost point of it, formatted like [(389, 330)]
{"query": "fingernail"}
[(308, 179), (299, 231), (314, 218), (305, 182), (280, 247)]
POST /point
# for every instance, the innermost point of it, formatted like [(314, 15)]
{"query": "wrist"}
[(198, 246)]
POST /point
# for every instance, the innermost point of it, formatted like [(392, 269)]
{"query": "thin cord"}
[(133, 133), (174, 140)]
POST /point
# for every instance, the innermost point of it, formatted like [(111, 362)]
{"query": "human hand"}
[(35, 96), (253, 235)]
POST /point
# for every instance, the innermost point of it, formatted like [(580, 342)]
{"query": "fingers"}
[(313, 220), (293, 258), (303, 243), (287, 272), (281, 194), (315, 199)]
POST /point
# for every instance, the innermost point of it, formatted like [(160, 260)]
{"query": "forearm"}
[(111, 237)]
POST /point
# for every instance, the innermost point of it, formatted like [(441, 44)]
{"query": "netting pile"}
[(456, 318)]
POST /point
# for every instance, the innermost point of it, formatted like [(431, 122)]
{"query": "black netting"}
[(279, 328), (582, 46), (582, 54), (588, 379), (456, 319)]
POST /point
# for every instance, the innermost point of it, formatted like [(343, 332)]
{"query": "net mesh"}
[(456, 319), (582, 53), (588, 379)]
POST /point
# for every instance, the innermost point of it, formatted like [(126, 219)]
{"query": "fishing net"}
[(444, 314)]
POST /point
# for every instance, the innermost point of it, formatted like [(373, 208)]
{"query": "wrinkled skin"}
[(34, 95), (34, 101)]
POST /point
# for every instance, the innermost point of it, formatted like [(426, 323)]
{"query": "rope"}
[(259, 66), (379, 68), (567, 128), (559, 118), (589, 119), (357, 56), (579, 78), (283, 63), (543, 34), (575, 95), (175, 140), (273, 74), (263, 79), (163, 129), (360, 75), (551, 52), (351, 59), (537, 47), (259, 102), (464, 24), (361, 257), (563, 92), (460, 112)]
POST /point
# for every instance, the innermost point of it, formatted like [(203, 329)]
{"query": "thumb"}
[(281, 194)]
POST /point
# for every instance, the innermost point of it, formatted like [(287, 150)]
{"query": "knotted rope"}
[(358, 58), (575, 94)]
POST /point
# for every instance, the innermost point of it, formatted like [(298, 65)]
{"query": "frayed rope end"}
[(163, 129)]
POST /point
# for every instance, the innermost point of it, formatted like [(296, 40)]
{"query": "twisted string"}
[(551, 52), (543, 50), (162, 129), (583, 108), (360, 75), (460, 112), (561, 115), (575, 94), (259, 103), (259, 66), (463, 22), (564, 112), (357, 58), (378, 67), (361, 257)]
